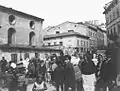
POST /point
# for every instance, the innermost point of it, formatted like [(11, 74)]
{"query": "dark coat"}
[(88, 68), (3, 64), (69, 74), (58, 74), (106, 71), (114, 53)]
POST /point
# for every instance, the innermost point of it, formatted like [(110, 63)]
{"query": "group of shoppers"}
[(77, 72)]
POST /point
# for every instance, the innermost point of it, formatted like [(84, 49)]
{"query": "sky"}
[(55, 12)]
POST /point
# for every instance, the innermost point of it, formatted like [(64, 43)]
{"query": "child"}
[(39, 85)]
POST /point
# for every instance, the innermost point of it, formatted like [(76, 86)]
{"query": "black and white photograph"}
[(60, 45)]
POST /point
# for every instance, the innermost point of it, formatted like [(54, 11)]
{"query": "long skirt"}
[(89, 82)]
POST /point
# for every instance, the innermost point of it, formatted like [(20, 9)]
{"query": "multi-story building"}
[(93, 36), (112, 15), (97, 34), (101, 37), (67, 27), (67, 41), (92, 33), (20, 34), (71, 35)]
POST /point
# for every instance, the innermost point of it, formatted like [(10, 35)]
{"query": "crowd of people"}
[(78, 72)]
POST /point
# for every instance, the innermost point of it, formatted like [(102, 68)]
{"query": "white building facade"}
[(67, 32), (67, 41)]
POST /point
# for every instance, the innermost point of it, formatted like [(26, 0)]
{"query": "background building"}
[(19, 28), (20, 34), (112, 15), (66, 33), (92, 33), (66, 27), (67, 41), (97, 34)]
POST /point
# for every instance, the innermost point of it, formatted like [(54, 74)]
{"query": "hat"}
[(13, 65)]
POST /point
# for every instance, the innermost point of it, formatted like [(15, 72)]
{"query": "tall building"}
[(92, 33), (67, 36), (20, 34), (67, 41), (112, 15), (66, 27), (97, 34)]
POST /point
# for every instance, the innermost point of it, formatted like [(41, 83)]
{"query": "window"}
[(82, 49), (87, 44), (70, 30), (84, 43), (77, 42), (12, 19), (118, 14), (11, 35), (32, 24), (114, 31), (113, 15), (81, 43), (61, 43), (14, 57), (57, 32), (107, 20), (110, 18), (118, 31), (31, 38), (89, 33)]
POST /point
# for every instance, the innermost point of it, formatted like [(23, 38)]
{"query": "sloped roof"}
[(65, 34), (13, 11), (51, 27), (93, 27)]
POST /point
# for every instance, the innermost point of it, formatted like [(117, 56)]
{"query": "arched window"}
[(31, 38), (12, 19), (11, 35), (32, 24)]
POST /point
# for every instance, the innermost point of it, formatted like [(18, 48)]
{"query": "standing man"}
[(69, 74), (3, 63)]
